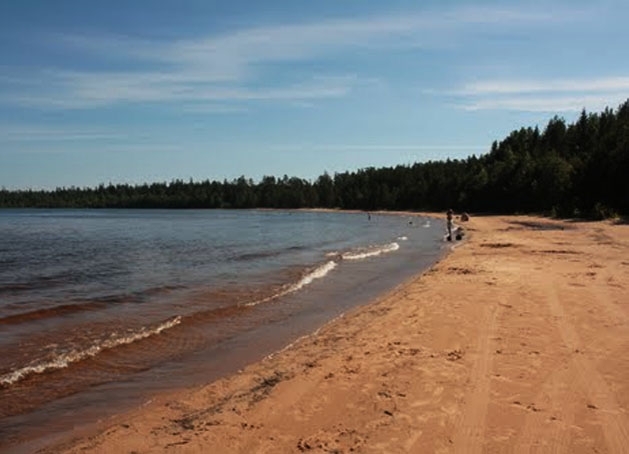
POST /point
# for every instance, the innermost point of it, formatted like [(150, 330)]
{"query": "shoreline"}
[(515, 341), (294, 314)]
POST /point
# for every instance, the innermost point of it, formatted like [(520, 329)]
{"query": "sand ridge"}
[(515, 342)]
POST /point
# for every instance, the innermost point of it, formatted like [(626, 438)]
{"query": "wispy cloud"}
[(238, 50), (239, 66), (26, 138), (36, 133), (550, 95), (548, 104), (499, 87), (85, 90)]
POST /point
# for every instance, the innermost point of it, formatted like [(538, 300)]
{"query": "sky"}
[(136, 91)]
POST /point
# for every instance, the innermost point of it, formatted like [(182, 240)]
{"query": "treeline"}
[(578, 169)]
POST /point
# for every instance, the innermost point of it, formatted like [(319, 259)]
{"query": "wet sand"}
[(515, 342)]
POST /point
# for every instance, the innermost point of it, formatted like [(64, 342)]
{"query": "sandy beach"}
[(516, 341)]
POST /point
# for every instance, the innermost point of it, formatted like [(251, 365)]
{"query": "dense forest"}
[(579, 169)]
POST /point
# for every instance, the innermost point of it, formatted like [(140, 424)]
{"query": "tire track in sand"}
[(552, 434), (551, 430), (614, 424), (471, 426)]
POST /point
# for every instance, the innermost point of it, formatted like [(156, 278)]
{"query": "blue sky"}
[(140, 91)]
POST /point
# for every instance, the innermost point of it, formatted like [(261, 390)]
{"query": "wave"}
[(317, 273), (402, 238), (246, 256), (35, 283), (98, 303), (63, 360), (256, 255), (370, 252), (324, 269), (64, 309)]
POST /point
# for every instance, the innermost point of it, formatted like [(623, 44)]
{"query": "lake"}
[(100, 309)]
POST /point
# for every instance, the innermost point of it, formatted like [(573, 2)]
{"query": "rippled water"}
[(99, 308)]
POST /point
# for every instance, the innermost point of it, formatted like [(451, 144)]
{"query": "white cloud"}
[(551, 103), (36, 133), (236, 50), (226, 67), (82, 90), (500, 87), (542, 95)]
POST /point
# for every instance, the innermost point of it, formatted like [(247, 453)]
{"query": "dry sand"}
[(517, 341)]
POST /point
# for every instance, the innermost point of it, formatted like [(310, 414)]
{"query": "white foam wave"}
[(370, 252), (317, 273), (324, 269), (65, 359), (402, 238)]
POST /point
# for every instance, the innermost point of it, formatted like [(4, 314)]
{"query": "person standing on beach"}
[(449, 223)]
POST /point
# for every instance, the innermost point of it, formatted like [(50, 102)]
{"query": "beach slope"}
[(516, 341)]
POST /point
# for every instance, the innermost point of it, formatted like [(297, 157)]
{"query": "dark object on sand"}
[(465, 217)]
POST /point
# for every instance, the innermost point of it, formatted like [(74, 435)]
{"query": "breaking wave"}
[(317, 273), (370, 252), (63, 360), (323, 270)]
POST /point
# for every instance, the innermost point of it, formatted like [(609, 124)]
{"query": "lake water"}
[(99, 309)]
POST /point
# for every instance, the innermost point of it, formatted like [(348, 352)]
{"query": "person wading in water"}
[(449, 224)]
